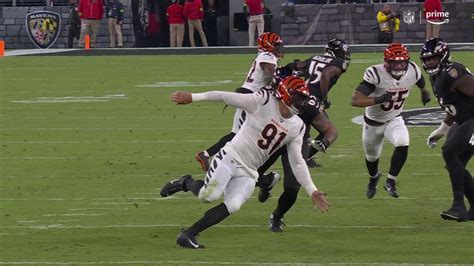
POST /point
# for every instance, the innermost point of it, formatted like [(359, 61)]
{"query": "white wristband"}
[(197, 97)]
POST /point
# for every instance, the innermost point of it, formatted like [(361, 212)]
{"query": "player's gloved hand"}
[(437, 135), (326, 103), (319, 201), (425, 97), (383, 98), (320, 145)]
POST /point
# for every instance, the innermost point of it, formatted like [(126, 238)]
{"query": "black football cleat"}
[(372, 186), (203, 161), (455, 214), (311, 163), (266, 192), (275, 225), (470, 214), (175, 186), (391, 187), (187, 240)]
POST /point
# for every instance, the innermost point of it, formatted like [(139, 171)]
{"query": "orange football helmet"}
[(270, 42), (294, 93), (396, 59)]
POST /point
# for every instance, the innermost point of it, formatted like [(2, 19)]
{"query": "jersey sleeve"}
[(371, 75), (298, 165), (267, 58), (417, 70), (248, 102), (340, 63)]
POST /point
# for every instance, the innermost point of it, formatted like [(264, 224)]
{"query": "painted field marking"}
[(73, 99), (95, 142), (112, 128), (182, 84), (118, 203), (74, 214), (108, 117)]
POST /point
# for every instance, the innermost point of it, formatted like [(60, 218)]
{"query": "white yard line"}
[(112, 128), (73, 214), (108, 141)]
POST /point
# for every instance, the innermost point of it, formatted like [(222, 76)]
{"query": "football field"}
[(86, 143)]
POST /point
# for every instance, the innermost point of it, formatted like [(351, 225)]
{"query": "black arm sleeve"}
[(421, 82), (366, 88)]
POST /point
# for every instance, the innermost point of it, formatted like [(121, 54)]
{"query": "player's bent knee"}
[(209, 193), (233, 205), (371, 158)]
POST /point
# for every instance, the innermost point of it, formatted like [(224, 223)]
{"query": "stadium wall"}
[(13, 28), (356, 23), (299, 24)]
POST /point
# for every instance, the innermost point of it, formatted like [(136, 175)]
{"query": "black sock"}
[(285, 202), (194, 186), (373, 167), (221, 143), (210, 218), (265, 180), (399, 158), (456, 174)]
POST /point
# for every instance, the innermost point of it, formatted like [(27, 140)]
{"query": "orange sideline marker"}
[(87, 42), (2, 48)]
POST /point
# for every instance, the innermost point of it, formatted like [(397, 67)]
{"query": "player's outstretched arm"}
[(246, 102)]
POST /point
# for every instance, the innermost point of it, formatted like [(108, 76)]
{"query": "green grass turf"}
[(80, 181)]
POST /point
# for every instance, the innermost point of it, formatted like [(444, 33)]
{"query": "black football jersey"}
[(310, 110), (314, 68), (455, 103)]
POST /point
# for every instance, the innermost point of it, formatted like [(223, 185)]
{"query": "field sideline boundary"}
[(215, 50)]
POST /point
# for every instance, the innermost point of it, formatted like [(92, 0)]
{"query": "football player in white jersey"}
[(383, 92), (271, 124), (270, 50)]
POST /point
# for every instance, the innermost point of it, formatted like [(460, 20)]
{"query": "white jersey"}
[(257, 78), (263, 133), (384, 82)]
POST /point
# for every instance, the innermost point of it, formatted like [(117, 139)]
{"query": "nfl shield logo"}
[(43, 28), (408, 16)]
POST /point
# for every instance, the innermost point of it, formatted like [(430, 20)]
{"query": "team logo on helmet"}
[(43, 28)]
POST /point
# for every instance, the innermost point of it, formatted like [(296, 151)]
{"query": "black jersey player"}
[(321, 73), (453, 86)]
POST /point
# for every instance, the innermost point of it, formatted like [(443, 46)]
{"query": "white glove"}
[(320, 145), (437, 135)]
